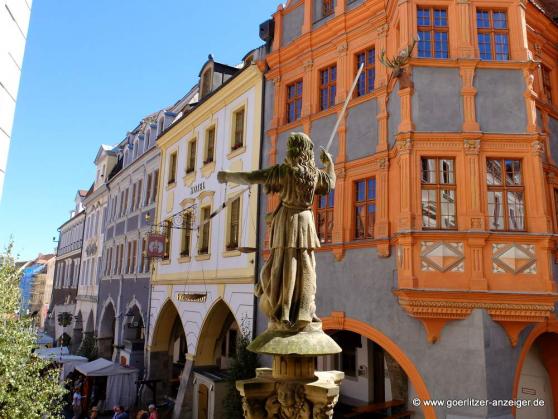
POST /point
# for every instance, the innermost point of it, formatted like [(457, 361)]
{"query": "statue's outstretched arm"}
[(243, 178)]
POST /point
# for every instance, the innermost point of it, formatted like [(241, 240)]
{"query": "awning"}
[(104, 368), (49, 353)]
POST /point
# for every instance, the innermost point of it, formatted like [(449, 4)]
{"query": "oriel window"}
[(366, 80), (209, 145), (506, 200), (172, 168), (238, 140), (186, 234), (294, 101), (191, 166), (438, 193), (365, 208), (324, 217), (205, 224), (234, 224), (492, 34), (432, 26), (328, 86)]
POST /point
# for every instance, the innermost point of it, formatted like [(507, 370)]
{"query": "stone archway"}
[(337, 322), (106, 332), (167, 353), (132, 339), (536, 375), (217, 338)]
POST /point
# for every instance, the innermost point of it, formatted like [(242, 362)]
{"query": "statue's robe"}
[(287, 286)]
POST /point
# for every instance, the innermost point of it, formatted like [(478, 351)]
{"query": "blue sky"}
[(91, 70)]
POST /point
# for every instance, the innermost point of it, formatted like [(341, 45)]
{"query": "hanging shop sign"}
[(155, 245), (192, 297)]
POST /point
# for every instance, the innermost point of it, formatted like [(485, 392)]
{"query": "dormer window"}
[(147, 139), (206, 83), (160, 126)]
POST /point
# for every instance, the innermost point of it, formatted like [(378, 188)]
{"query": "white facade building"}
[(202, 289), (93, 236), (14, 22)]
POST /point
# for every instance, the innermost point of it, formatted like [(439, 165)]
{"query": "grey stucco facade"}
[(500, 101), (124, 293)]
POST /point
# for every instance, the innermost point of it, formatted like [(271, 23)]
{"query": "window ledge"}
[(231, 253), (171, 185), (189, 178), (236, 153), (165, 262), (203, 257), (208, 168), (184, 259)]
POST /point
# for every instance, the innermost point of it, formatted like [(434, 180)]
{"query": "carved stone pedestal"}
[(292, 389)]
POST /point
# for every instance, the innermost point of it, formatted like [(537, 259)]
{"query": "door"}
[(203, 392)]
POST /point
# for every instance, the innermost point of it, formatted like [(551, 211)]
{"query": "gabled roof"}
[(218, 67), (104, 150)]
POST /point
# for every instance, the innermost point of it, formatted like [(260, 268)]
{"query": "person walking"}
[(76, 403)]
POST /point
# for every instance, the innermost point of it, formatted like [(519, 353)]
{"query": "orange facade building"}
[(439, 246)]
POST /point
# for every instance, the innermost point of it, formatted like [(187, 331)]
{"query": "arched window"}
[(146, 140)]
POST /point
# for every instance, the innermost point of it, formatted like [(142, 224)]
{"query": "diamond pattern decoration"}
[(514, 258), (442, 256)]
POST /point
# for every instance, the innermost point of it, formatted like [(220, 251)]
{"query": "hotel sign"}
[(197, 188)]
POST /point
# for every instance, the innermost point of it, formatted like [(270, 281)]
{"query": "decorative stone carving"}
[(537, 148), (404, 146), (442, 256), (514, 258), (436, 308), (471, 146), (263, 397)]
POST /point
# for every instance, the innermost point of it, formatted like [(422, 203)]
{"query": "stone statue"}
[(291, 389), (287, 285)]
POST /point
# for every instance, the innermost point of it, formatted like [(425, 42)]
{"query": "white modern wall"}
[(14, 22)]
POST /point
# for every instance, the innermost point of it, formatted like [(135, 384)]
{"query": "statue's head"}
[(300, 149)]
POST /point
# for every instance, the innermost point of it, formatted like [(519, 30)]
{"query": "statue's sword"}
[(349, 95)]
